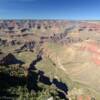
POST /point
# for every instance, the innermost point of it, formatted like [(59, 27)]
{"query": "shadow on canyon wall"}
[(31, 81)]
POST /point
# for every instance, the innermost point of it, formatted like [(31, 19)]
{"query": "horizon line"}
[(50, 19)]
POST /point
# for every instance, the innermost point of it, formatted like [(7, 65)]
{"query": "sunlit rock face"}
[(70, 52)]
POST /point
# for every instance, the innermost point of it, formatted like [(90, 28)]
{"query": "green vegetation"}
[(26, 57), (49, 61), (16, 85)]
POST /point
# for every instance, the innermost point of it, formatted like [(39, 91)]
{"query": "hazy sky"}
[(50, 9)]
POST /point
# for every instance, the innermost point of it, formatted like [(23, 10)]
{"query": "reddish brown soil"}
[(94, 49)]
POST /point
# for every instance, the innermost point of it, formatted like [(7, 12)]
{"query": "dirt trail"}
[(60, 65), (55, 59)]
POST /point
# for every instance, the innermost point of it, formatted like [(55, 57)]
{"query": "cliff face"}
[(68, 48), (24, 26)]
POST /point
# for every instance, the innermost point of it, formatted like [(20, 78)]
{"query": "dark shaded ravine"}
[(35, 76), (31, 81)]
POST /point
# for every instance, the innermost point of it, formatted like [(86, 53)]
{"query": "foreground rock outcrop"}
[(8, 59)]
